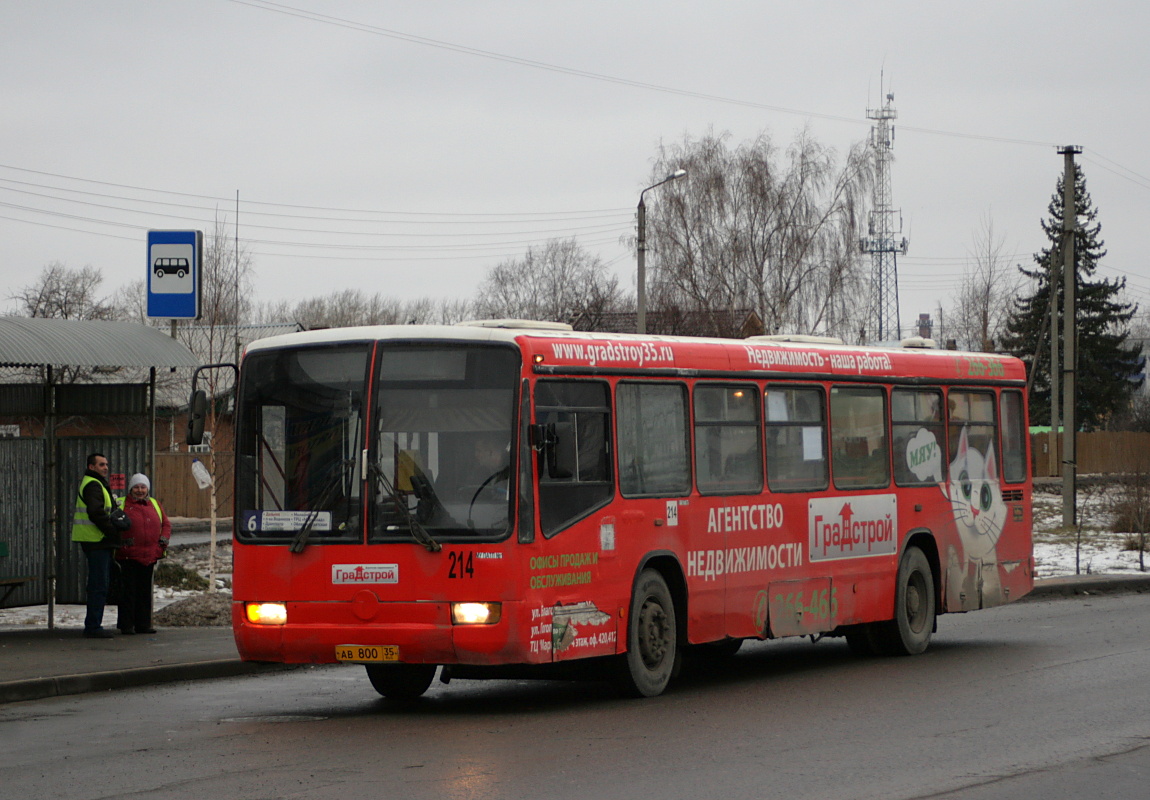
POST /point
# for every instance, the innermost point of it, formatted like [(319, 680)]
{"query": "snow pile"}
[(203, 609)]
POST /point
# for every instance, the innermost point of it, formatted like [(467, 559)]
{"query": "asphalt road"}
[(1042, 699)]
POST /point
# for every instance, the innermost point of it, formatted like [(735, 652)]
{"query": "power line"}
[(1125, 172), (361, 27), (228, 201), (329, 232)]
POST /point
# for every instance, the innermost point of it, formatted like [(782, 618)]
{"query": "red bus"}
[(502, 495)]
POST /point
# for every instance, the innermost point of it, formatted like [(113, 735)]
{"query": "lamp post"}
[(641, 321)]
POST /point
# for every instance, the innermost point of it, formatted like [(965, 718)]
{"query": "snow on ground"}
[(1092, 550), (193, 557)]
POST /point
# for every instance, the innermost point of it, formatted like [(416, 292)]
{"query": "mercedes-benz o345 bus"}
[(501, 493)]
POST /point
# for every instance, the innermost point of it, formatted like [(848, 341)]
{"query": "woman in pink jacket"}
[(144, 544)]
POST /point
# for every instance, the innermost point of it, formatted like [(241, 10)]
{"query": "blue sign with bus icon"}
[(173, 278)]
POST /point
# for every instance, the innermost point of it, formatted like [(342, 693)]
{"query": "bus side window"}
[(1013, 437), (973, 411), (654, 454), (859, 457), (574, 461), (917, 433), (728, 445), (796, 432)]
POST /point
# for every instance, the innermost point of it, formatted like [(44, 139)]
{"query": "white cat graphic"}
[(975, 495)]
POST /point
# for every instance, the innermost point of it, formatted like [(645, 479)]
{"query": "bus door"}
[(573, 574), (741, 523), (658, 513), (800, 596)]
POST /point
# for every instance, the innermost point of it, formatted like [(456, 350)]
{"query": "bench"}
[(9, 584)]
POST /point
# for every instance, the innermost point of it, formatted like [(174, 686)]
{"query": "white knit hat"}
[(137, 479)]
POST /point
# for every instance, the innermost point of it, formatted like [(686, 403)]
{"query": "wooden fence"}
[(1104, 452), (178, 491)]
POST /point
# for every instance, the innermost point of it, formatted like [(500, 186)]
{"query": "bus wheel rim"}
[(653, 634), (915, 613)]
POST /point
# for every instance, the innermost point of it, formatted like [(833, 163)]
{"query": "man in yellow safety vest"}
[(92, 528)]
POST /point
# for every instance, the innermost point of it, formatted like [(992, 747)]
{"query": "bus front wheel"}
[(652, 637), (400, 681)]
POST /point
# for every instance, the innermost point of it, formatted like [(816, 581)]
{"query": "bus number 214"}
[(461, 565)]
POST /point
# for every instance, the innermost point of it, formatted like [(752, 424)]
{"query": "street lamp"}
[(641, 322)]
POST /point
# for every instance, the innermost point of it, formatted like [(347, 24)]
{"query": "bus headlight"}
[(476, 613), (266, 613)]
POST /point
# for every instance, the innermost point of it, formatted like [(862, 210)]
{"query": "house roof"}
[(33, 341)]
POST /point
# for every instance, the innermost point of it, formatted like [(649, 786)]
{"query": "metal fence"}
[(23, 518)]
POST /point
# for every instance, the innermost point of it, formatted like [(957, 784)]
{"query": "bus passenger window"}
[(917, 433), (972, 412), (1013, 437), (796, 438), (654, 459), (728, 454), (859, 455), (574, 464)]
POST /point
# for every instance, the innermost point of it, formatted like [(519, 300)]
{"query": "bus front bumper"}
[(420, 633)]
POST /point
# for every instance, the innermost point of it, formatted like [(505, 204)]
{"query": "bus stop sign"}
[(174, 274)]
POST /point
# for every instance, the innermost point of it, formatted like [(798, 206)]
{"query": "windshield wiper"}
[(418, 532), (343, 469), (299, 541)]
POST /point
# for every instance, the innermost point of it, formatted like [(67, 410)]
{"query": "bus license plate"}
[(366, 653)]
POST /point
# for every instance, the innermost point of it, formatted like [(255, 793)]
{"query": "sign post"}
[(174, 285)]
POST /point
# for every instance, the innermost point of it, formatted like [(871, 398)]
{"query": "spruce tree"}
[(1108, 368)]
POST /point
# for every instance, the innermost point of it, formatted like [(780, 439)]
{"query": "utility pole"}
[(237, 242), (1055, 364), (1069, 332), (880, 241)]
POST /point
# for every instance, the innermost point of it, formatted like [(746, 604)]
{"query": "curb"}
[(41, 688), (1081, 585)]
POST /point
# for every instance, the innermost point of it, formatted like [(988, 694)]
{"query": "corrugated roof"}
[(27, 341)]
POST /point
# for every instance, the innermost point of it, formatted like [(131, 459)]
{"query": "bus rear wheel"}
[(400, 681), (908, 634), (652, 637)]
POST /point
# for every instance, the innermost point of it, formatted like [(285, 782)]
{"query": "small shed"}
[(47, 428)]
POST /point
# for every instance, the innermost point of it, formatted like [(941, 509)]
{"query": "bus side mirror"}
[(197, 415), (559, 450)]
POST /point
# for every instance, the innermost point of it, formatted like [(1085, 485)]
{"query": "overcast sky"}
[(409, 147)]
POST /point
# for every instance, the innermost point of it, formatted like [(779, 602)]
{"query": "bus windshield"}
[(443, 424), (299, 436)]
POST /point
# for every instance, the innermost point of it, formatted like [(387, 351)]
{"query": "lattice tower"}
[(884, 241)]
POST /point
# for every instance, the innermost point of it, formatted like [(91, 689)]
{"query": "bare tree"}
[(226, 276), (557, 281), (986, 297), (752, 228), (64, 293), (348, 307)]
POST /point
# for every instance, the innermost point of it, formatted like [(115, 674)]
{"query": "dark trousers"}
[(135, 596), (99, 574)]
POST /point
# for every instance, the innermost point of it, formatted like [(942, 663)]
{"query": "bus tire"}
[(652, 637), (908, 634), (400, 681)]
